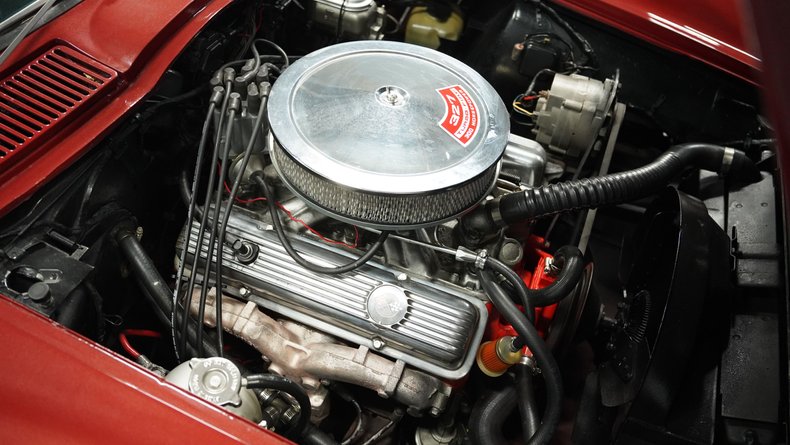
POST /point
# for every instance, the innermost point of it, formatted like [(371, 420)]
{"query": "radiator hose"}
[(616, 188), (484, 432), (490, 412), (153, 284), (571, 264), (489, 415)]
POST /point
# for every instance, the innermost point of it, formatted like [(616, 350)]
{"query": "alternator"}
[(570, 116)]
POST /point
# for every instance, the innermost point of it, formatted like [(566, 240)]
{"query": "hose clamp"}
[(496, 214), (726, 160), (530, 363), (481, 258), (478, 258)]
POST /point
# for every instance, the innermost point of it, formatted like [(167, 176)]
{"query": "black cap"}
[(39, 293)]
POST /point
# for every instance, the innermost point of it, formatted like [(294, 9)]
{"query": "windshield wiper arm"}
[(25, 31)]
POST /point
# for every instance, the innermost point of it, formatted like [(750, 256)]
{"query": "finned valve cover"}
[(427, 325), (386, 134)]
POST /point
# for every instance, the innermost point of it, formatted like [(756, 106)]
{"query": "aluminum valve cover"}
[(431, 327), (386, 134)]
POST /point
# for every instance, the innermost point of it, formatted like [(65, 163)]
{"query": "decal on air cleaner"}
[(461, 118)]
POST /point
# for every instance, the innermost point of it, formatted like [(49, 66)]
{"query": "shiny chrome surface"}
[(386, 134), (525, 159), (381, 211), (327, 112), (437, 331)]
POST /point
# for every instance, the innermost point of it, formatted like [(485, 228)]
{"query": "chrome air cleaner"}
[(386, 134)]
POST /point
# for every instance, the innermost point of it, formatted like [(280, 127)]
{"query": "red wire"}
[(259, 20), (315, 232), (135, 333), (299, 221)]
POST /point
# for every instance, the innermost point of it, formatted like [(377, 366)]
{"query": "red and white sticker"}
[(461, 118)]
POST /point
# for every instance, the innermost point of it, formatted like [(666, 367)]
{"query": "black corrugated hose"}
[(616, 188)]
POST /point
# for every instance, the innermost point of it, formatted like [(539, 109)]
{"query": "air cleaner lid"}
[(388, 117)]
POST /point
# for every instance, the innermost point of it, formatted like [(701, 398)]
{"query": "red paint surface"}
[(36, 109), (138, 41), (711, 31), (534, 277), (60, 388), (538, 280)]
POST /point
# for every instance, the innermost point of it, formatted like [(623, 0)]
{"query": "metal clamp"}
[(529, 362), (726, 160), (496, 214), (478, 258)]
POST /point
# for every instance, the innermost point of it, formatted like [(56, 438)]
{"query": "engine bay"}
[(440, 222)]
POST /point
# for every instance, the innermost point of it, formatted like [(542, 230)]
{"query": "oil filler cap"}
[(386, 134)]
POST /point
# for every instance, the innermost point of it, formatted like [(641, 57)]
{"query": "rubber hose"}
[(279, 383), (526, 401), (528, 334), (618, 188), (572, 266), (518, 285), (489, 415), (144, 270), (314, 436), (154, 286)]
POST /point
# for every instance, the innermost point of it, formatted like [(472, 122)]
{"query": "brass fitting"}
[(495, 357)]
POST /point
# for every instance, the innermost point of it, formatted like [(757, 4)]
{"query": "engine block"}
[(431, 326)]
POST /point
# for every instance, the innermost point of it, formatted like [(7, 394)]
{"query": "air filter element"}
[(386, 134)]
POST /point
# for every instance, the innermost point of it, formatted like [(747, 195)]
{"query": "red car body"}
[(62, 388)]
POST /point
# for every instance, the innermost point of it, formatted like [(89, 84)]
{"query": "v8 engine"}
[(433, 223)]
